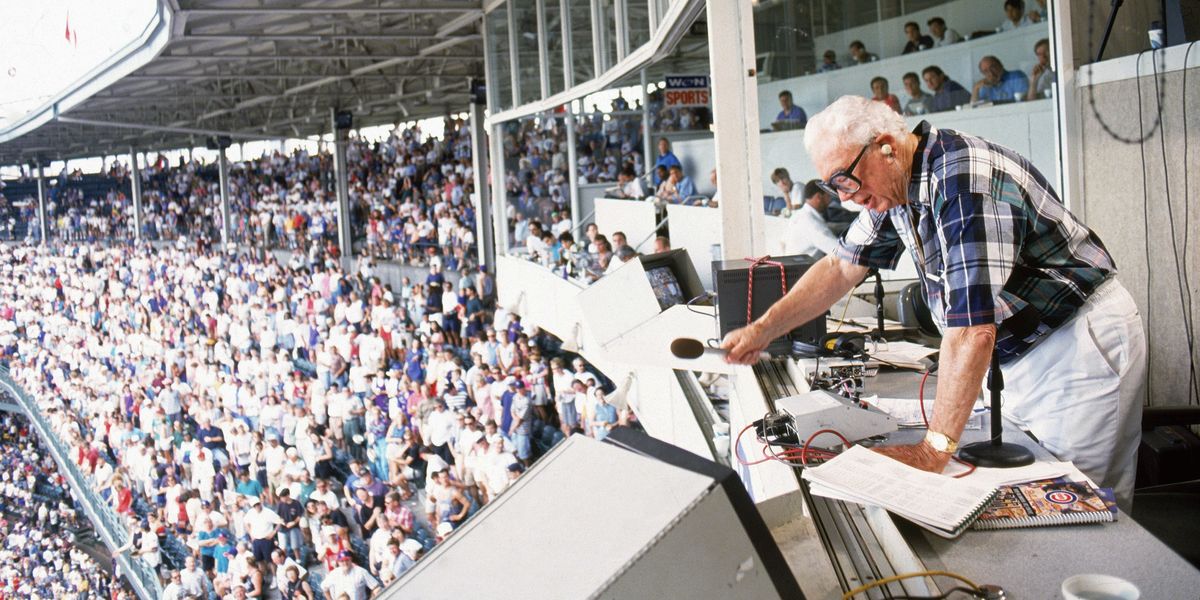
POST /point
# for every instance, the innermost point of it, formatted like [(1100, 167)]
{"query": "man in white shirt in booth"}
[(808, 228)]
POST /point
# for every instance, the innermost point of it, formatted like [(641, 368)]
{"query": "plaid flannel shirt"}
[(991, 239)]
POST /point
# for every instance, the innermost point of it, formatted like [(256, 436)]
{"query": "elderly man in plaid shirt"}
[(1005, 268)]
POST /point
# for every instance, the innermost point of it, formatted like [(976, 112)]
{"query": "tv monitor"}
[(666, 287)]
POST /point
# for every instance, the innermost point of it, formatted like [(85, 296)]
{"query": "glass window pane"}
[(582, 57), (554, 46), (528, 62), (608, 33), (783, 40), (638, 12), (499, 80)]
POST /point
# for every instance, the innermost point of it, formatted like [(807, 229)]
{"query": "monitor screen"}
[(666, 287)]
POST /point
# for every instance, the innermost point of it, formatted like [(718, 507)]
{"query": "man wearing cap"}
[(290, 512), (522, 416), (261, 525), (349, 579)]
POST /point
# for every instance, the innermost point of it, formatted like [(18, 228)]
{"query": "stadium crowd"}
[(259, 421), (39, 558)]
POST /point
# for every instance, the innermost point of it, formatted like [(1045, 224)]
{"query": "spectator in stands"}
[(791, 195), (947, 93), (918, 100), (809, 233), (666, 158), (630, 185), (349, 580), (916, 40), (661, 244), (1039, 14), (791, 116), (999, 84), (942, 35), (828, 62), (1014, 16), (1042, 77), (879, 93), (859, 54), (678, 187)]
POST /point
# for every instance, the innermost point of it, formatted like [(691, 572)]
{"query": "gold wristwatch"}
[(941, 442)]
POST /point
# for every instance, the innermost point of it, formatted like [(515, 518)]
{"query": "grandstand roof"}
[(260, 69)]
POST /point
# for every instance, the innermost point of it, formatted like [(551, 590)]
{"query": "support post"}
[(573, 167), (485, 238), (340, 139), (135, 189), (41, 187), (1069, 122), (647, 144), (223, 172), (499, 193), (735, 128)]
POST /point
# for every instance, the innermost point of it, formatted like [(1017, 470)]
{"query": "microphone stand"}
[(879, 305), (996, 453), (1112, 18)]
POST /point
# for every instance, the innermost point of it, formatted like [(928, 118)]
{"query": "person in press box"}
[(1004, 266)]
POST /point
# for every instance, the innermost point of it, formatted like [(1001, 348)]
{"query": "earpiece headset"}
[(886, 149)]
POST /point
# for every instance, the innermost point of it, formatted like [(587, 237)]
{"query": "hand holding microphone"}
[(731, 351)]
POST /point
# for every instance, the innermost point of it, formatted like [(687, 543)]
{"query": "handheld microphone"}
[(689, 349)]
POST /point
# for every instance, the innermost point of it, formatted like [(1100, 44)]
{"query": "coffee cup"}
[(1098, 587)]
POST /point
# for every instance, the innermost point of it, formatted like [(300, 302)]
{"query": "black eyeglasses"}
[(843, 181)]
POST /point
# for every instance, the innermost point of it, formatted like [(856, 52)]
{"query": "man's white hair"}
[(850, 122)]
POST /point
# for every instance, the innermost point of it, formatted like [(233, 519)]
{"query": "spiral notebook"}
[(1049, 502), (943, 505)]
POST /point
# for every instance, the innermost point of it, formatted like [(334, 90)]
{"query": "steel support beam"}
[(647, 144), (499, 193), (573, 169), (342, 188), (313, 37), (41, 187), (432, 7), (223, 173), (735, 128), (485, 239), (135, 189), (167, 128)]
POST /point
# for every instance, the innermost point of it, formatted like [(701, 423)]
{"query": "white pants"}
[(1079, 391)]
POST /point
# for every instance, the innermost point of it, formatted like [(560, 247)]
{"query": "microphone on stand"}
[(689, 349)]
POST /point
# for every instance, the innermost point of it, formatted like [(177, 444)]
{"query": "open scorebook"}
[(943, 505)]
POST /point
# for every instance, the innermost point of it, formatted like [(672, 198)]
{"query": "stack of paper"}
[(901, 355), (943, 505)]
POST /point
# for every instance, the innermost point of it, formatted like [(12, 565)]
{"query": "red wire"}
[(921, 399), (970, 467), (804, 449), (737, 449)]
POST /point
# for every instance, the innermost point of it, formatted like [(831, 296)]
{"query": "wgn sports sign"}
[(687, 90)]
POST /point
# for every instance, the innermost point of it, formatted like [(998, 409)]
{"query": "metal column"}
[(223, 172), (499, 193), (340, 139), (41, 181), (735, 127), (485, 238), (647, 143), (573, 167), (135, 188)]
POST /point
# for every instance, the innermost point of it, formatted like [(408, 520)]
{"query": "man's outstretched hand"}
[(921, 456), (745, 346)]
